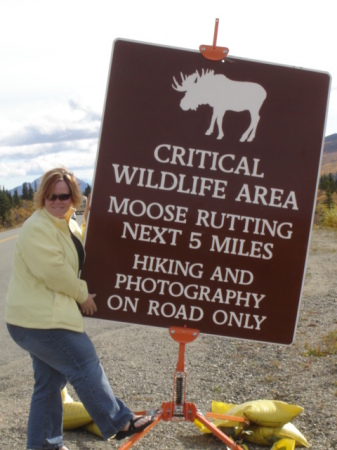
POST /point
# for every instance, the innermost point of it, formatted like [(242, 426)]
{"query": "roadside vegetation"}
[(327, 346), (326, 210)]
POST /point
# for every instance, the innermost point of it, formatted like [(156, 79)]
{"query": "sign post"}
[(204, 192)]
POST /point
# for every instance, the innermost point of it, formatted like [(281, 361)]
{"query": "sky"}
[(55, 57)]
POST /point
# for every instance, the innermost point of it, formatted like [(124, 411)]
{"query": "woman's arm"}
[(44, 256)]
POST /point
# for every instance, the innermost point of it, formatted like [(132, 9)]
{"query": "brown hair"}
[(48, 181)]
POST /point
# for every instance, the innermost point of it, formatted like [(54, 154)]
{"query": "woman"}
[(43, 317)]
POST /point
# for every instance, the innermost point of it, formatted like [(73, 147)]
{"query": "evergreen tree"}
[(16, 199), (87, 190), (323, 182), (30, 192), (5, 208), (328, 184), (329, 200), (332, 183), (9, 195), (25, 192)]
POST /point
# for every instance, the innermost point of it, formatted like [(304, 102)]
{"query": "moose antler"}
[(186, 81), (180, 87)]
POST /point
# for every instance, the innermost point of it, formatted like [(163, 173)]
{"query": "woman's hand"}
[(89, 306), (87, 208)]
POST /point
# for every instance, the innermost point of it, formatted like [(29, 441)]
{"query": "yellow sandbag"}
[(66, 398), (268, 413), (284, 444), (230, 431), (225, 408), (220, 408), (290, 431), (201, 426), (93, 428), (269, 435), (75, 415)]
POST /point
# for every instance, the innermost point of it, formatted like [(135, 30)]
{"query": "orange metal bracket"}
[(226, 417), (212, 51), (178, 408)]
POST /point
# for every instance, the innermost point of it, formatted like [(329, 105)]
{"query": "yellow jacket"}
[(44, 290)]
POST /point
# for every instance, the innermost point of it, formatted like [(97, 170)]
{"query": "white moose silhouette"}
[(222, 94)]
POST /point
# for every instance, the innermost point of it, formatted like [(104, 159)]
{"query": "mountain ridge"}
[(329, 158), (82, 184)]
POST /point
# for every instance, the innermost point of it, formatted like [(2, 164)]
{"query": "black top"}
[(80, 250)]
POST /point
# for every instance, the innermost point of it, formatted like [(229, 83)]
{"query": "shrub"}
[(329, 218)]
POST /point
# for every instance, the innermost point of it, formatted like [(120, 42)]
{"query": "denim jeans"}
[(60, 356)]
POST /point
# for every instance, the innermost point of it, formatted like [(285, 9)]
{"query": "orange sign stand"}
[(214, 52), (178, 409)]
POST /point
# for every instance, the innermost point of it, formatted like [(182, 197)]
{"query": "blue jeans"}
[(60, 356)]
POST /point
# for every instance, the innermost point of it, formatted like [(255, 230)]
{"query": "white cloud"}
[(55, 59), (65, 134), (29, 162)]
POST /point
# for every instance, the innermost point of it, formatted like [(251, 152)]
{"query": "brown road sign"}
[(204, 192)]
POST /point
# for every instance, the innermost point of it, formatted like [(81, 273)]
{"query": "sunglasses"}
[(61, 197)]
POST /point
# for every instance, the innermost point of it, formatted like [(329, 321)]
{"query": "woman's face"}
[(57, 206)]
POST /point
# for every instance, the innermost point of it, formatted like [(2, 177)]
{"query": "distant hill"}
[(329, 159), (82, 184)]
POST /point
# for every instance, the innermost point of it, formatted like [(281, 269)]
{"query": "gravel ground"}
[(140, 364)]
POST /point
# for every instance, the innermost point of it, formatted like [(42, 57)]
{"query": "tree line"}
[(14, 207), (328, 184)]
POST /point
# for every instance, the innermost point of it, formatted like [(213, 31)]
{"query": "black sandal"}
[(132, 429)]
